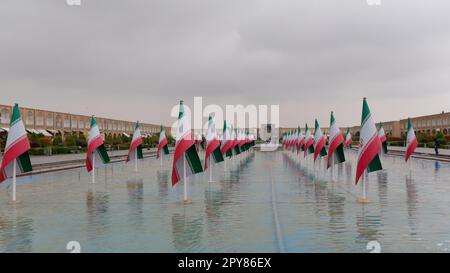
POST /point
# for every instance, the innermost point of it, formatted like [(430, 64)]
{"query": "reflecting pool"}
[(263, 202)]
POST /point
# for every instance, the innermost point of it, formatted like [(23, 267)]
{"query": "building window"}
[(5, 116), (49, 120), (30, 119), (40, 119), (82, 123), (66, 121), (74, 122), (58, 121)]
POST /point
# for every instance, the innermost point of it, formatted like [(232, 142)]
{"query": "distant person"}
[(437, 145)]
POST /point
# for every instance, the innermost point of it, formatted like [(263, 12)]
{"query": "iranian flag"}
[(300, 140), (96, 149), (348, 139), (135, 151), (212, 144), (319, 142), (295, 140), (290, 140), (227, 142), (16, 149), (309, 141), (369, 144), (185, 151), (336, 144), (235, 142), (162, 145), (241, 140), (198, 142), (411, 141), (382, 137)]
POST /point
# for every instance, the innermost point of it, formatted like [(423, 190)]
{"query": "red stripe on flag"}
[(182, 145), (319, 147), (211, 146), (367, 155), (133, 146), (160, 146), (410, 150), (95, 143), (20, 146), (333, 145)]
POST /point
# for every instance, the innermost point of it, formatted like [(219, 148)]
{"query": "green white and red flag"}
[(203, 142), (291, 140), (235, 141), (241, 139), (184, 149), (135, 151), (383, 139), (248, 141), (309, 141), (348, 139), (411, 141), (287, 143), (96, 149), (295, 140), (300, 140), (198, 142), (212, 144), (16, 149), (162, 144), (319, 142), (369, 144), (227, 141), (336, 144)]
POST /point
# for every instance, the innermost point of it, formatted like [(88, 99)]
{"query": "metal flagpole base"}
[(362, 201), (185, 202)]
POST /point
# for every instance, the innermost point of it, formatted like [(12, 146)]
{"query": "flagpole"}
[(364, 194), (210, 169), (410, 168), (135, 160), (14, 181), (93, 167), (185, 178), (160, 161), (332, 167)]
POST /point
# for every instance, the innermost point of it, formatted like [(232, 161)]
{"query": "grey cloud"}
[(139, 57)]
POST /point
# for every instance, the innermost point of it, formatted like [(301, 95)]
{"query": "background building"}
[(54, 123)]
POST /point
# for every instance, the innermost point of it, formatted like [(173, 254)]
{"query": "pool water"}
[(261, 202)]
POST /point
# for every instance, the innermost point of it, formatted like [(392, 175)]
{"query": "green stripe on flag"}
[(24, 162), (339, 155), (375, 165), (139, 152), (15, 117), (103, 154), (193, 160), (217, 155)]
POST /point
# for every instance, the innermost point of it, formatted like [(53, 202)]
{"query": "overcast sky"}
[(135, 59)]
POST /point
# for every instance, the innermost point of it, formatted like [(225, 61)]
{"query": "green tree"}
[(422, 138), (440, 136), (81, 141), (57, 141), (70, 140)]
